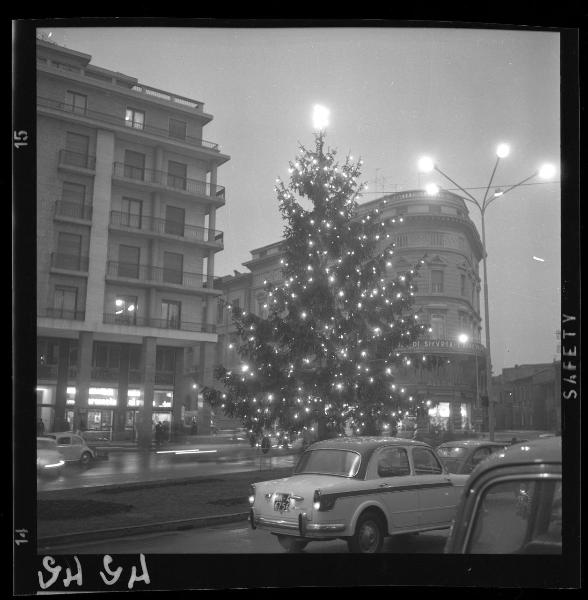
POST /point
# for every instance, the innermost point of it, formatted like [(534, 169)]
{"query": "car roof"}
[(470, 443), (363, 443), (65, 433), (544, 450), (45, 438)]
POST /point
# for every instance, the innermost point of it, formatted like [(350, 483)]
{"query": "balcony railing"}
[(70, 262), (73, 210), (170, 324), (62, 313), (156, 275), (75, 159), (155, 225), (192, 186), (121, 122)]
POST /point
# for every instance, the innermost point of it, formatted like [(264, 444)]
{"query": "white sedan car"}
[(359, 489), (73, 448)]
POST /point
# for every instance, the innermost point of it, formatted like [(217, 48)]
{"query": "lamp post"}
[(546, 171)]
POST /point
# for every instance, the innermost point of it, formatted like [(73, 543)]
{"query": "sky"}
[(394, 94)]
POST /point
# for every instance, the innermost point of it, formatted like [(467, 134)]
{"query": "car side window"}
[(76, 441), (393, 462), (518, 517), (425, 462), (477, 457), (64, 441)]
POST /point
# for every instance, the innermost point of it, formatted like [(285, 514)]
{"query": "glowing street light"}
[(426, 164), (432, 189), (503, 150), (320, 117), (462, 338), (546, 171)]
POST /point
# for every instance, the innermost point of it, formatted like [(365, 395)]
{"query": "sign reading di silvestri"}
[(451, 346)]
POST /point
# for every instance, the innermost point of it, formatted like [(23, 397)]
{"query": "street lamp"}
[(427, 164), (320, 117)]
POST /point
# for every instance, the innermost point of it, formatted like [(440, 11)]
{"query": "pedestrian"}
[(40, 427), (194, 427), (158, 433)]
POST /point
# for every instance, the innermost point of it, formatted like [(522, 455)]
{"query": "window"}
[(65, 302), (131, 213), (73, 198), (522, 517), (329, 462), (171, 313), (174, 220), (393, 462), (177, 129), (128, 261), (176, 175), (165, 359), (437, 323), (425, 462), (135, 118), (437, 281), (76, 150), (69, 251), (134, 165), (435, 209), (462, 284), (76, 102), (220, 311), (173, 267), (125, 310), (106, 356)]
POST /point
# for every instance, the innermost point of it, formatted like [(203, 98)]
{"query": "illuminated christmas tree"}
[(323, 357)]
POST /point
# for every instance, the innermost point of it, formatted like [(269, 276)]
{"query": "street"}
[(135, 466), (234, 538)]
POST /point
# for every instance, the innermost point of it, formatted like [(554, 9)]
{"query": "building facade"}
[(528, 397), (444, 372), (127, 196)]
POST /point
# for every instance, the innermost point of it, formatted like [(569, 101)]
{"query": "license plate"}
[(282, 502)]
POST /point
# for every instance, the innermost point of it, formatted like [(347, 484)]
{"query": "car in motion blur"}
[(463, 456), (360, 489), (49, 460), (73, 448), (512, 503)]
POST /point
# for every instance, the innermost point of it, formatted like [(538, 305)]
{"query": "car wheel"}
[(291, 544), (369, 535), (85, 459)]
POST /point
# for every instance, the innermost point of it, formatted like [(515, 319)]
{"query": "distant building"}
[(127, 196), (443, 371), (528, 397)]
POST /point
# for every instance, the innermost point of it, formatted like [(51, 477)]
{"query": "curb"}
[(104, 534)]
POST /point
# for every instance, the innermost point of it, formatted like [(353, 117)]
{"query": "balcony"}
[(67, 158), (73, 210), (168, 324), (70, 262), (189, 233), (119, 120), (158, 276), (169, 182), (62, 313)]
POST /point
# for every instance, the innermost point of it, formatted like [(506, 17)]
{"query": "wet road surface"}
[(235, 538)]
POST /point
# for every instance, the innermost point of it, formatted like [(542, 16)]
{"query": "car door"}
[(65, 447), (76, 447), (390, 472), (437, 495)]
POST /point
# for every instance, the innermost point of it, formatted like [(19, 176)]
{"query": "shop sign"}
[(445, 345)]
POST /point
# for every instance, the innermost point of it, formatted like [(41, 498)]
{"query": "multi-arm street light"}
[(546, 171)]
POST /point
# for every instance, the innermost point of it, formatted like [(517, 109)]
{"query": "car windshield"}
[(45, 445), (451, 451), (343, 463)]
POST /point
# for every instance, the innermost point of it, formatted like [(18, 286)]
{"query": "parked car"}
[(49, 460), (512, 503), (360, 489), (463, 456), (73, 448)]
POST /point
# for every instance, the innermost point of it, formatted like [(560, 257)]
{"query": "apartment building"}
[(127, 196), (446, 370)]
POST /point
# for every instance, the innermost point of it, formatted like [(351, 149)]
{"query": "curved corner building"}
[(443, 373)]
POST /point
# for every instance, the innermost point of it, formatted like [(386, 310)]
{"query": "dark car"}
[(512, 503), (463, 456)]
